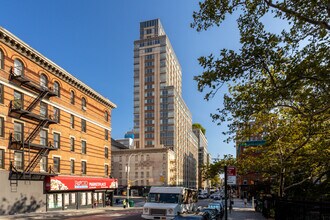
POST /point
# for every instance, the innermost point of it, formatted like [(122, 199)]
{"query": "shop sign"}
[(79, 183)]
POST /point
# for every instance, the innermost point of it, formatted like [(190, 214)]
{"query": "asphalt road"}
[(122, 214), (127, 214)]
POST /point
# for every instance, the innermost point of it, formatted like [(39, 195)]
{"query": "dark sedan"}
[(214, 213)]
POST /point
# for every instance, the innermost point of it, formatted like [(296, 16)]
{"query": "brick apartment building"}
[(55, 135)]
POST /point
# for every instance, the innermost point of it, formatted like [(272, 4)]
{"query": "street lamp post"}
[(128, 183)]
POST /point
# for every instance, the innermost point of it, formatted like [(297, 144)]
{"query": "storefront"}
[(67, 192)]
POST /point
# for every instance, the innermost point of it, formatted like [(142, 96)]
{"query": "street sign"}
[(231, 175)]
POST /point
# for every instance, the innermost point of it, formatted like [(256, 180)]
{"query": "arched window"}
[(83, 104), (2, 59), (56, 89), (43, 80), (72, 97), (106, 116), (18, 67)]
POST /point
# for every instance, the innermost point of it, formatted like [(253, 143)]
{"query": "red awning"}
[(63, 183)]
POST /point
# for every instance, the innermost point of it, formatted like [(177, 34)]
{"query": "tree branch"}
[(297, 15), (298, 183)]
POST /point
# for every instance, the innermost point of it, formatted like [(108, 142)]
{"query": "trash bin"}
[(131, 203)]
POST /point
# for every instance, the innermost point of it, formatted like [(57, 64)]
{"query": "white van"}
[(167, 202)]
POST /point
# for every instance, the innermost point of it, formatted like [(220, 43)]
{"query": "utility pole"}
[(226, 214)]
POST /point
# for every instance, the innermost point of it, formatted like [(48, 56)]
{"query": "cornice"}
[(24, 49), (141, 150)]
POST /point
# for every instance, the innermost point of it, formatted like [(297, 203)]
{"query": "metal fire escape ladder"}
[(37, 129), (36, 100), (36, 159), (16, 110), (13, 181)]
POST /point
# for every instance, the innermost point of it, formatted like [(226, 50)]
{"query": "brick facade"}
[(96, 115)]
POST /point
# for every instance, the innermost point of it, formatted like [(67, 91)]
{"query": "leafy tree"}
[(217, 167), (199, 126), (278, 87)]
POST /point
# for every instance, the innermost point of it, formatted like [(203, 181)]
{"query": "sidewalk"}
[(240, 212), (63, 214)]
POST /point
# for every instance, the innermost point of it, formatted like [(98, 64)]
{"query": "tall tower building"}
[(161, 117), (202, 157)]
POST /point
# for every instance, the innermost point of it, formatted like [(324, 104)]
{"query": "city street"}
[(240, 212)]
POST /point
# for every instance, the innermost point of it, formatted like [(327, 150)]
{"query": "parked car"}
[(198, 216), (215, 196), (213, 212), (202, 196), (219, 206)]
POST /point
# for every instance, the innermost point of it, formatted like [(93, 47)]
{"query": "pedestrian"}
[(245, 202), (124, 203), (230, 206)]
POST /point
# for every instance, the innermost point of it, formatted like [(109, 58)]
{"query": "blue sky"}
[(93, 40)]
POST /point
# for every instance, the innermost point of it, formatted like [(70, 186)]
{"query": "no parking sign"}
[(231, 175)]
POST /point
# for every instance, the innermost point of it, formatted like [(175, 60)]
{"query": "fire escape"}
[(24, 142)]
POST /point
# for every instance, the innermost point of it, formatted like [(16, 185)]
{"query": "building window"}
[(57, 115), (18, 160), (2, 157), (72, 98), (72, 121), (71, 144), (56, 89), (2, 59), (83, 104), (43, 137), (106, 152), (83, 125), (106, 170), (43, 109), (56, 164), (72, 166), (18, 68), (18, 100), (148, 50), (43, 81), (83, 147), (18, 131), (1, 93), (57, 140), (83, 167), (106, 134), (2, 127), (106, 116), (44, 164)]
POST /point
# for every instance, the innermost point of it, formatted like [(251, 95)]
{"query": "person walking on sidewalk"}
[(124, 203), (245, 202)]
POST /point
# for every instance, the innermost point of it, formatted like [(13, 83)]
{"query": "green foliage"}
[(217, 167), (278, 81), (199, 126)]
